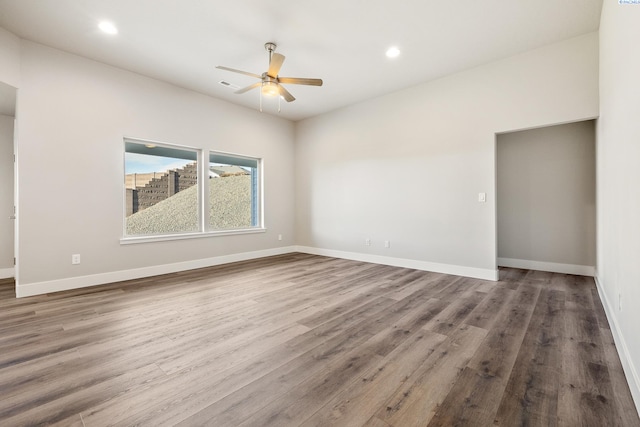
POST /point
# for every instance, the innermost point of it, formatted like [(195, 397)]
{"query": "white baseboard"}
[(39, 288), (582, 270), (457, 270), (6, 273), (630, 371), (30, 289)]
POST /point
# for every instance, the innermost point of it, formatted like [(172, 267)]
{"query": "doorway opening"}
[(546, 198), (7, 181)]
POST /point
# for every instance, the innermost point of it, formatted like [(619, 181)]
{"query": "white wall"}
[(9, 58), (72, 116), (546, 180), (6, 196), (408, 167), (618, 187)]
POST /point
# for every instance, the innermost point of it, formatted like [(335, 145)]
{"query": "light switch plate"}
[(482, 197)]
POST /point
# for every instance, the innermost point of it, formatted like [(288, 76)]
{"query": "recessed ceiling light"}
[(108, 27), (393, 52)]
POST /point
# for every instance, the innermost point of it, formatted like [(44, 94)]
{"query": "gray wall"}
[(546, 194), (6, 195)]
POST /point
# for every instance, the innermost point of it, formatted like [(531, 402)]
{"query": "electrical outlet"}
[(75, 259), (387, 244), (367, 242), (279, 236)]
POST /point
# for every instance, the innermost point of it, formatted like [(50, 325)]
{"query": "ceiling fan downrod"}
[(270, 47)]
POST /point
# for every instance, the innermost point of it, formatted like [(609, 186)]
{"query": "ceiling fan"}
[(270, 83)]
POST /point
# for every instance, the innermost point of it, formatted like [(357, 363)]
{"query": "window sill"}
[(185, 236)]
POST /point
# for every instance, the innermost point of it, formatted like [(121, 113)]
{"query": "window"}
[(233, 192), (166, 192)]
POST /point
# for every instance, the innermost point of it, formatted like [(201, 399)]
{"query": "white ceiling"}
[(342, 42)]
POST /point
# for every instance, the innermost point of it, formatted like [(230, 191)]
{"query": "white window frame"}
[(203, 159)]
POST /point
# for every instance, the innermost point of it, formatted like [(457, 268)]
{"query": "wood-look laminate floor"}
[(313, 341)]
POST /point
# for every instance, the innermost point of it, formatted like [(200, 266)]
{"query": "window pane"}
[(233, 192), (161, 189)]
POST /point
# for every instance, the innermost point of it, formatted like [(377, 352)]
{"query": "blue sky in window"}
[(142, 163)]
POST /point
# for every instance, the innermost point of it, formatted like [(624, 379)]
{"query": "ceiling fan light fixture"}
[(270, 88)]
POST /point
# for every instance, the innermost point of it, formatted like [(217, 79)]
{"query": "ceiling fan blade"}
[(233, 70), (248, 88), (285, 94), (275, 64), (300, 81)]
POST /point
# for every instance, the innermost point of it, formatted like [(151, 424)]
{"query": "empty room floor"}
[(315, 341)]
